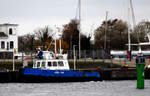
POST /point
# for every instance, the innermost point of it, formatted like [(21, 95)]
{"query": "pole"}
[(132, 13), (140, 63), (129, 31), (134, 24), (105, 41), (74, 57), (13, 59), (55, 39), (22, 58), (79, 29), (32, 49), (60, 44), (59, 34), (55, 46)]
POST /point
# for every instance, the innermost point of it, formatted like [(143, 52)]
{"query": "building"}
[(8, 40)]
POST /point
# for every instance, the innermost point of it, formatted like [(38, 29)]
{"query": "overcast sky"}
[(31, 14)]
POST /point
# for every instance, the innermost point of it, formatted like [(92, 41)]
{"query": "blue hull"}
[(40, 75)]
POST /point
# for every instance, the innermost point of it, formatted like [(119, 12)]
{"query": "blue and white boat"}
[(55, 68)]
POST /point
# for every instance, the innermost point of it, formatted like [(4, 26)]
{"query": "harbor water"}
[(104, 88)]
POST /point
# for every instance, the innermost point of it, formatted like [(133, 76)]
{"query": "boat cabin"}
[(51, 62)]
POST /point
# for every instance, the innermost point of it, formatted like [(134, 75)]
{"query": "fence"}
[(92, 56)]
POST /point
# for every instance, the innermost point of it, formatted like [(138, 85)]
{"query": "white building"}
[(8, 37)]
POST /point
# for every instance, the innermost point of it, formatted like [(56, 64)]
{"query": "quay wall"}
[(107, 74)]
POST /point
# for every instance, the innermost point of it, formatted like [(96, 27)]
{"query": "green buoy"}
[(140, 63)]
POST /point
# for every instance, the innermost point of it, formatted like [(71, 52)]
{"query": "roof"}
[(8, 24), (2, 34)]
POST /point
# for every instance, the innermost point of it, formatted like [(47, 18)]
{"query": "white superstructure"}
[(51, 61)]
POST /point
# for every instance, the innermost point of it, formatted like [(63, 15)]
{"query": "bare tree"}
[(116, 32), (25, 43), (71, 36), (43, 37)]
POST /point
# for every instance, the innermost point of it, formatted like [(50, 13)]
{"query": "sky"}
[(32, 14)]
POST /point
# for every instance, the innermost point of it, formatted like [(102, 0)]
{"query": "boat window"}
[(43, 64), (38, 64), (49, 64), (54, 63), (34, 65), (60, 63)]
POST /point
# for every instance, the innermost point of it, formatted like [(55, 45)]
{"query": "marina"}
[(74, 48)]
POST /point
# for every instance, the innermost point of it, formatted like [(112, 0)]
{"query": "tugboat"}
[(51, 67)]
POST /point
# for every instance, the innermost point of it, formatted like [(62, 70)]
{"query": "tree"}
[(142, 29), (116, 33), (44, 37), (71, 35), (25, 43)]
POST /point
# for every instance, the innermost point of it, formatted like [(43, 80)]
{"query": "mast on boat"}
[(133, 25)]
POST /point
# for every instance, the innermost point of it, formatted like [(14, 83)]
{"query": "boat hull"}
[(41, 75)]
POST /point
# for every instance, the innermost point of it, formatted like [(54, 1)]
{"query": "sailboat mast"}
[(134, 24), (132, 13), (129, 31), (79, 27)]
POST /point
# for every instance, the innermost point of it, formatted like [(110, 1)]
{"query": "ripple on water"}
[(104, 88)]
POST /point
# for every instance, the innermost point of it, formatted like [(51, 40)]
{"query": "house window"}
[(10, 31), (3, 45), (11, 44)]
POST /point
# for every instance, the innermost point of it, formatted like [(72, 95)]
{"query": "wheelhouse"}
[(52, 64)]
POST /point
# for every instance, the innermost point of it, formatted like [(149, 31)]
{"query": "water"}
[(104, 88)]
